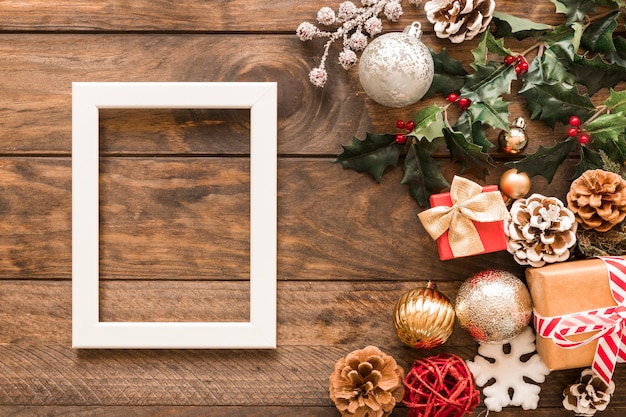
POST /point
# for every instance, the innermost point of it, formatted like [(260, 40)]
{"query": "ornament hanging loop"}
[(414, 29), (519, 122)]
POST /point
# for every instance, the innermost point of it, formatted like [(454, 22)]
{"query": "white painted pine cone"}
[(540, 230), (459, 20)]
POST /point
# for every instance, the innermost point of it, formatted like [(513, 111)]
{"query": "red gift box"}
[(491, 233)]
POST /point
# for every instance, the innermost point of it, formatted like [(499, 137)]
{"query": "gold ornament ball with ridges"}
[(424, 317)]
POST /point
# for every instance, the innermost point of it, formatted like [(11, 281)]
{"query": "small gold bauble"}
[(424, 317), (515, 140), (493, 306), (514, 184)]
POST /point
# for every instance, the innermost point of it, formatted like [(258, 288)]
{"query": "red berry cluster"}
[(521, 65), (409, 125), (463, 102), (575, 129)]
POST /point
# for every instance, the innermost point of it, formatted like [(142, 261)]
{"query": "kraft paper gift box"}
[(565, 288), (491, 233)]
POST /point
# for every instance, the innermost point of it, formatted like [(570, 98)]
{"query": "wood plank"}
[(287, 376), (173, 411), (363, 230), (36, 106), (197, 16), (250, 411), (308, 313), (39, 368)]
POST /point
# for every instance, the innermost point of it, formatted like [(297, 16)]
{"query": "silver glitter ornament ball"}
[(396, 69), (493, 306)]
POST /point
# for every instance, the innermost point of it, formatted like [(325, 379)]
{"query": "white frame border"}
[(87, 99)]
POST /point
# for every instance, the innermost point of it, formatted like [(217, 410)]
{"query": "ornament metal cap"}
[(414, 29), (519, 122)]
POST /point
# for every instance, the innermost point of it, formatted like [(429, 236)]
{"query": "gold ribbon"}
[(468, 203)]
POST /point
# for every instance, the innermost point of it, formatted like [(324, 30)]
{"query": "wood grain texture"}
[(187, 217), (36, 107), (38, 367), (249, 411), (287, 376), (193, 15)]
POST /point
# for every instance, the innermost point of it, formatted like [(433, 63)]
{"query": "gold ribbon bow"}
[(468, 203)]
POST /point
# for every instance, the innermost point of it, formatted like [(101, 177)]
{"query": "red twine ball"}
[(440, 385)]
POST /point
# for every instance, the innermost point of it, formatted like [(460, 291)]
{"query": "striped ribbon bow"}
[(609, 323)]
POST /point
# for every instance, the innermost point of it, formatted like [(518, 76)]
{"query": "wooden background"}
[(174, 212)]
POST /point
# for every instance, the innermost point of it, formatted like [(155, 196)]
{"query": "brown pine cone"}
[(588, 395), (366, 383), (459, 20), (598, 199), (540, 230)]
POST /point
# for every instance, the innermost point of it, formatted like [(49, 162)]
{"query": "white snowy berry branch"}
[(351, 22)]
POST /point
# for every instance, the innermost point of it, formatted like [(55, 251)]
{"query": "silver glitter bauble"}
[(396, 69), (493, 306)]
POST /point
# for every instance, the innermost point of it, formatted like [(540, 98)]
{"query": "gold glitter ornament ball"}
[(493, 306), (424, 317), (514, 184)]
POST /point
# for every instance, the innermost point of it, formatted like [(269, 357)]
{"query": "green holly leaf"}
[(616, 102), (619, 56), (519, 28), (547, 69), (564, 40), (449, 74), (596, 73), (553, 103), (373, 154), (598, 37), (473, 130), (422, 174), (488, 82), (545, 161), (494, 113), (589, 159), (574, 10), (429, 123), (488, 44), (614, 150), (469, 155), (607, 127)]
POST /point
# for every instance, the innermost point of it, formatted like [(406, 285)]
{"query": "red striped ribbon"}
[(609, 323)]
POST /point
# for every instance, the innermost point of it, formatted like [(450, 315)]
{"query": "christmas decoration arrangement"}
[(557, 78), (366, 383), (574, 295), (510, 372)]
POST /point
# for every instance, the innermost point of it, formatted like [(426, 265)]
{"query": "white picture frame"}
[(87, 330)]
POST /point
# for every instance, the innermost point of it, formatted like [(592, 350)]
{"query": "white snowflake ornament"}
[(509, 371)]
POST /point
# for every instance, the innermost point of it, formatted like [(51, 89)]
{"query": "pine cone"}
[(459, 20), (366, 383), (598, 199), (540, 230), (588, 395)]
